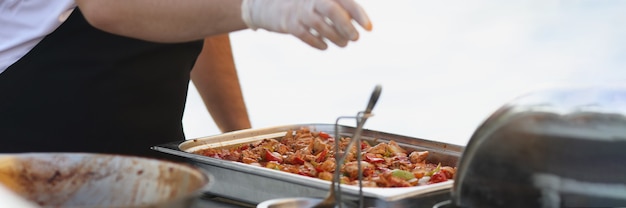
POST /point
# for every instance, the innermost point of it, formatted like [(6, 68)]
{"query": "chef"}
[(112, 76)]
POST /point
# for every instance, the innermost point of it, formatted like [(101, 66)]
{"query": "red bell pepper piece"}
[(372, 159), (321, 157), (298, 160), (270, 156), (324, 135), (364, 145)]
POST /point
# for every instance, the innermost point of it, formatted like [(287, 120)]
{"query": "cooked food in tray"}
[(310, 153)]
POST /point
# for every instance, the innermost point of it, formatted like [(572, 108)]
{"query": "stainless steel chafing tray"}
[(254, 184)]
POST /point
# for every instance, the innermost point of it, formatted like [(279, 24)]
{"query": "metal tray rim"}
[(258, 132)]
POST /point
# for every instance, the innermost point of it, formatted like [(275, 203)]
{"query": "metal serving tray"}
[(254, 184)]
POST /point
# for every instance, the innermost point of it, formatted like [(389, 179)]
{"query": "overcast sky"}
[(444, 65)]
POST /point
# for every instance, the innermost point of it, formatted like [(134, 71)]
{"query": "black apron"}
[(84, 90)]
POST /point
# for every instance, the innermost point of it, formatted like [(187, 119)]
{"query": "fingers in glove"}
[(357, 13), (315, 41), (339, 17), (325, 30)]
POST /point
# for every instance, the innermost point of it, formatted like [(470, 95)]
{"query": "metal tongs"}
[(334, 196)]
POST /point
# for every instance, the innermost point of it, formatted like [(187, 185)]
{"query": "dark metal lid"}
[(553, 148)]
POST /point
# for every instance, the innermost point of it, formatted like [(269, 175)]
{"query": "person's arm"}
[(186, 20), (216, 80), (164, 20)]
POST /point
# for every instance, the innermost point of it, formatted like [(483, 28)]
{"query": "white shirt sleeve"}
[(25, 23)]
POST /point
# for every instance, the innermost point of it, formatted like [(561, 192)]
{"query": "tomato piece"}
[(437, 177), (308, 169), (244, 147), (318, 169)]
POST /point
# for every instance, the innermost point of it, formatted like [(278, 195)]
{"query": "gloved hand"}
[(310, 20)]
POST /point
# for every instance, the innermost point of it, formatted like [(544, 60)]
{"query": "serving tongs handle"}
[(373, 99), (356, 138)]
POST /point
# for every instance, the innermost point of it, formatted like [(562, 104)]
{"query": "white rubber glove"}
[(310, 20)]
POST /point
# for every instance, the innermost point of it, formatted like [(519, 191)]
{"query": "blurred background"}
[(444, 66)]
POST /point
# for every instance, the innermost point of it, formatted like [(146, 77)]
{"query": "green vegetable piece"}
[(406, 175), (435, 170)]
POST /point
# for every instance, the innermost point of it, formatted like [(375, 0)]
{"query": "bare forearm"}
[(164, 20), (215, 77)]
